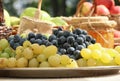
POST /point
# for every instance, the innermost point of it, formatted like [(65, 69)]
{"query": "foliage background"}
[(53, 7)]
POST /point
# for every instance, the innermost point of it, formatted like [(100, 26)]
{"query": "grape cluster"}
[(71, 43), (96, 55), (5, 50), (35, 55), (16, 40)]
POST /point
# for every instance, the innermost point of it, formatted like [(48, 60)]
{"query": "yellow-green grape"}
[(36, 49), (22, 62), (50, 50), (112, 63), (117, 59), (73, 64), (12, 62), (33, 62), (96, 54), (19, 50), (64, 59), (106, 58), (112, 52), (97, 46), (86, 53), (91, 62), (3, 44), (27, 53), (26, 44), (41, 58), (3, 62), (44, 64), (8, 50), (54, 61), (42, 47), (100, 63), (91, 47), (4, 55), (117, 48), (82, 62)]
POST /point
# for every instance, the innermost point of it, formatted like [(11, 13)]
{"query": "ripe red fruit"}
[(107, 3), (115, 10), (86, 7), (102, 10), (116, 34)]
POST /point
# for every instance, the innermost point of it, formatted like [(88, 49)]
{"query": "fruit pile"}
[(103, 7), (96, 55), (69, 43)]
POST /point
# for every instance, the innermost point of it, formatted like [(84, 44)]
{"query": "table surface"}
[(113, 77)]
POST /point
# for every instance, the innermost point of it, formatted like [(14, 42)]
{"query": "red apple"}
[(115, 10), (116, 34), (102, 10), (86, 7), (107, 3)]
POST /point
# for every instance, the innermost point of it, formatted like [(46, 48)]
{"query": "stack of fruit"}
[(61, 49)]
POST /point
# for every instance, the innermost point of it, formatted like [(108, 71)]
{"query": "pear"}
[(30, 12), (14, 20), (59, 21), (7, 18)]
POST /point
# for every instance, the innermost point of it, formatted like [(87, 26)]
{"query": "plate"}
[(59, 72)]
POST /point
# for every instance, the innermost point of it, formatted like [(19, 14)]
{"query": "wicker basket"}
[(117, 19), (35, 25)]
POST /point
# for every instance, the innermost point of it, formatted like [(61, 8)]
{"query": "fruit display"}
[(32, 46)]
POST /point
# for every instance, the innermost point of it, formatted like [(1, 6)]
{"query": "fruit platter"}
[(33, 47)]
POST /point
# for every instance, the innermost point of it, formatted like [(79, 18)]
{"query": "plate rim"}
[(63, 68)]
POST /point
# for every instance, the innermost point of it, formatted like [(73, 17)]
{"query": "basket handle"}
[(37, 13)]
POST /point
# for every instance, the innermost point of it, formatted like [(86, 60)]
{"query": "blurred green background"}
[(53, 7)]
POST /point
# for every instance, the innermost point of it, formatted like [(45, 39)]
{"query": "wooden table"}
[(113, 77)]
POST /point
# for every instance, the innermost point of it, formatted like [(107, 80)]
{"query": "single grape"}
[(106, 58), (117, 48), (44, 64), (36, 48), (4, 55), (73, 64), (50, 50), (96, 54), (3, 44), (12, 62), (8, 50), (54, 61), (3, 62), (86, 53), (117, 59), (27, 53), (41, 58), (91, 62), (64, 60), (82, 62), (26, 44), (22, 62), (33, 63)]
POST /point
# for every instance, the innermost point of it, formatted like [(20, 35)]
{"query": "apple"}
[(115, 10), (86, 8), (7, 18), (107, 3), (116, 34), (14, 20), (30, 12), (102, 10)]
